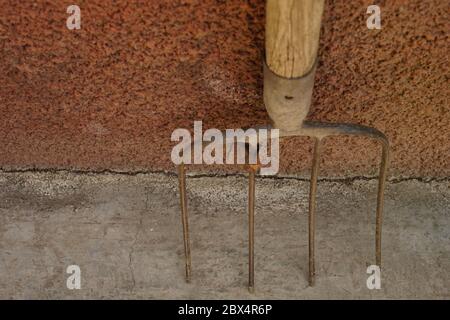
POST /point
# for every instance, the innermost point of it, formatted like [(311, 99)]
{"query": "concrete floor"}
[(124, 232)]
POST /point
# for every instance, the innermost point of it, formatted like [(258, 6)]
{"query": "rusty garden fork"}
[(318, 131), (292, 40)]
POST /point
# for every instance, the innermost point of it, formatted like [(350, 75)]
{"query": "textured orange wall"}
[(109, 95)]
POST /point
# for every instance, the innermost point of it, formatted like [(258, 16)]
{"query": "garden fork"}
[(292, 41)]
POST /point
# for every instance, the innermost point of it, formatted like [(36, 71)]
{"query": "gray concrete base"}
[(124, 232)]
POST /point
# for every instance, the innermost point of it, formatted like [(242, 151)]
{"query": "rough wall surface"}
[(108, 96)]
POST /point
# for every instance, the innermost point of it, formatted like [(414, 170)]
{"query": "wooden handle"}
[(292, 35)]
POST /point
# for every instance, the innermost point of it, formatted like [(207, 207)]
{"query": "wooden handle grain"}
[(292, 35)]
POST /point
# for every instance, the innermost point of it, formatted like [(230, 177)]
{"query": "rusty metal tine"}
[(184, 218), (251, 229), (312, 209), (380, 199)]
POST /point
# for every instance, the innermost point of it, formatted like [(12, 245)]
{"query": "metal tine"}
[(184, 219), (380, 198), (251, 228), (312, 209)]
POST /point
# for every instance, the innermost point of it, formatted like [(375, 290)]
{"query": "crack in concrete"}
[(136, 236), (196, 175)]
